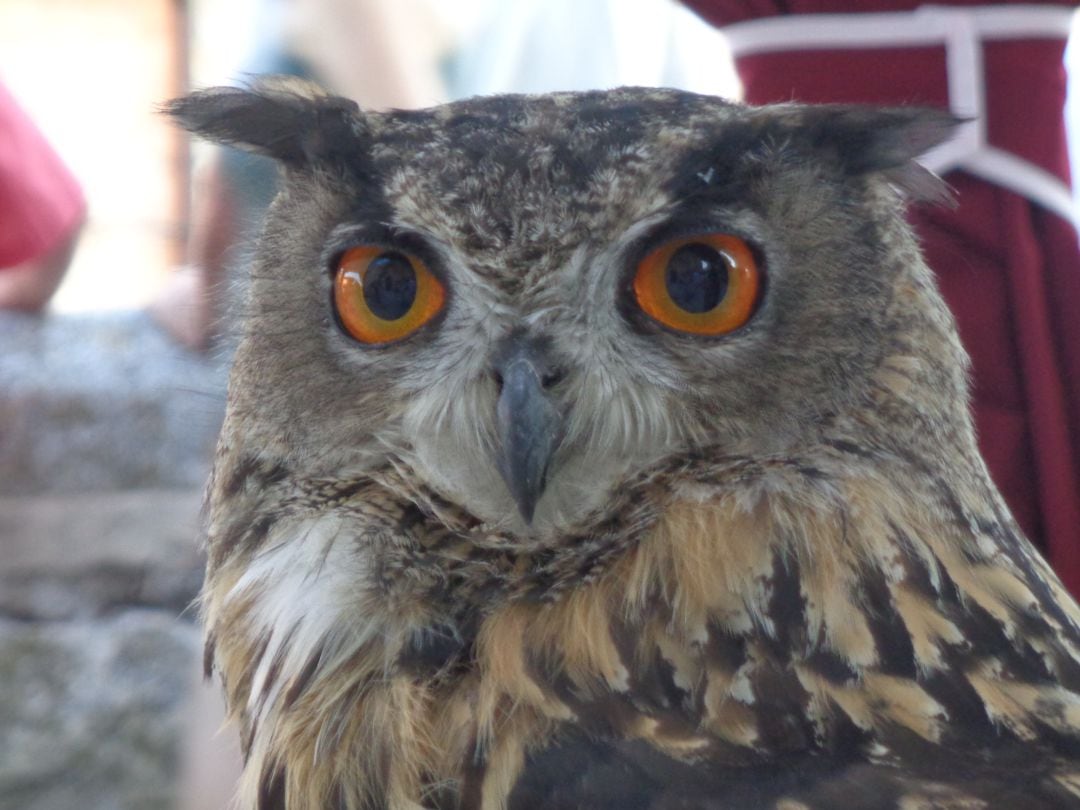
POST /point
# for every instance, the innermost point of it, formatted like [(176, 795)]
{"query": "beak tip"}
[(525, 497), (527, 509)]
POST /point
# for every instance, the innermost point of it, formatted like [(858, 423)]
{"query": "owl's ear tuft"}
[(290, 120), (886, 140)]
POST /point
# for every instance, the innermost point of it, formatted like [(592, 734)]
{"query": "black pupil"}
[(697, 277), (390, 286)]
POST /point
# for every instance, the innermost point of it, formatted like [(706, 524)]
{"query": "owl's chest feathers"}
[(785, 612)]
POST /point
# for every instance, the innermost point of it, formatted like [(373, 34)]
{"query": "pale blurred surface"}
[(91, 75)]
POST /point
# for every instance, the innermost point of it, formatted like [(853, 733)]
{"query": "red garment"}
[(40, 200), (1009, 268), (725, 12)]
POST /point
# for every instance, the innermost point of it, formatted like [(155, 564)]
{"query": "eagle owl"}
[(611, 450)]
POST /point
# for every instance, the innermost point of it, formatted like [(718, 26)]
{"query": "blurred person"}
[(538, 46), (380, 53), (1006, 257), (42, 212)]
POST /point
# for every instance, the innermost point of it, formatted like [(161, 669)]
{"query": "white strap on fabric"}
[(961, 30), (926, 25)]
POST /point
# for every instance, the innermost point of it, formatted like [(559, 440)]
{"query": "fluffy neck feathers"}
[(785, 606)]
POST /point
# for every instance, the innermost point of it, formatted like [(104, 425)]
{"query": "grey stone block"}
[(107, 430), (82, 555), (92, 713), (103, 401)]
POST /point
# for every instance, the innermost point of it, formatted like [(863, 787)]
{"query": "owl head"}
[(525, 302)]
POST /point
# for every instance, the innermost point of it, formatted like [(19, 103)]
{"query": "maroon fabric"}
[(725, 12), (1009, 269), (41, 202)]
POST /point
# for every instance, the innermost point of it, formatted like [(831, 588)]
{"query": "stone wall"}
[(106, 435)]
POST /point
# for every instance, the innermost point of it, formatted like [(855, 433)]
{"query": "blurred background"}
[(112, 378), (91, 72)]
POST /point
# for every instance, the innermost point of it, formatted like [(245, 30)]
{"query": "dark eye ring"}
[(383, 295), (705, 284)]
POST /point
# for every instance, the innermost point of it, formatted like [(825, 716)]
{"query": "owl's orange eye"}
[(383, 295), (705, 284)]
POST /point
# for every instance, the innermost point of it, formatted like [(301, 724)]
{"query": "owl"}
[(612, 450)]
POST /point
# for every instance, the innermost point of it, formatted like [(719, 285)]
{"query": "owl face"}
[(525, 301)]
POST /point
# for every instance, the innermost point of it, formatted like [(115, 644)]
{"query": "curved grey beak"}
[(529, 425)]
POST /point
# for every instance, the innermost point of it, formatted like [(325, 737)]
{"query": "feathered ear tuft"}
[(293, 121), (886, 140)]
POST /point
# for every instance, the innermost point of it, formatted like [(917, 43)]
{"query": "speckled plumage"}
[(768, 571)]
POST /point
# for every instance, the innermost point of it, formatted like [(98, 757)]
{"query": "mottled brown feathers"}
[(768, 570)]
